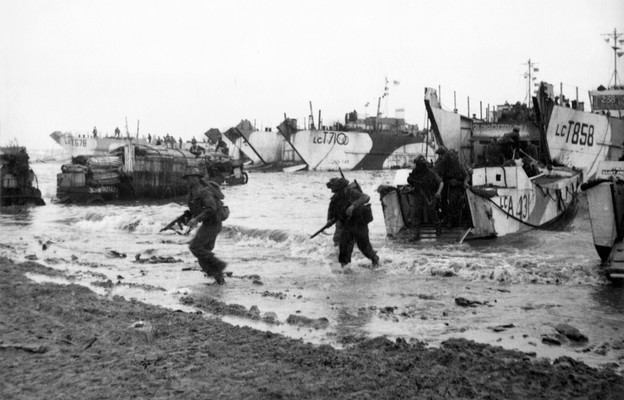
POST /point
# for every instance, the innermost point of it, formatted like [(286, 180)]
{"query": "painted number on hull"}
[(76, 142), (331, 138), (576, 133), (517, 208)]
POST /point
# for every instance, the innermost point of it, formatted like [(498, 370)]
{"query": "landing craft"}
[(17, 178), (504, 198), (329, 148), (605, 199), (84, 145), (262, 148), (135, 171), (595, 142), (581, 139)]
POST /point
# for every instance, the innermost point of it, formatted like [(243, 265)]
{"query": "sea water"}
[(526, 284)]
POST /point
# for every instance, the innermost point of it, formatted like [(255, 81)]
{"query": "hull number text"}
[(75, 142), (518, 207), (331, 138), (576, 133)]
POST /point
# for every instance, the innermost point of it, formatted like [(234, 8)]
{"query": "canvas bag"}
[(223, 211)]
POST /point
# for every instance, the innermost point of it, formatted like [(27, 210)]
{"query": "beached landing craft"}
[(17, 178), (84, 145), (581, 139), (263, 148), (474, 138), (605, 199), (503, 199), (136, 171), (359, 149)]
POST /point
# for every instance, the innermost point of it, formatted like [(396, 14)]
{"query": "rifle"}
[(354, 181), (181, 220), (327, 225)]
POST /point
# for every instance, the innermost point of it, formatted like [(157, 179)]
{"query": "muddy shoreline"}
[(64, 341)]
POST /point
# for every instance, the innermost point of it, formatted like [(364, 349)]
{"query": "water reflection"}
[(610, 297), (17, 215), (350, 324)]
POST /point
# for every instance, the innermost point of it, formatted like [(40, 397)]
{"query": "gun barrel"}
[(175, 221), (327, 225)]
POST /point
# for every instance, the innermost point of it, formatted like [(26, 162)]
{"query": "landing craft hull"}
[(504, 200), (605, 199), (79, 146), (264, 148), (396, 204), (582, 139), (17, 179), (141, 172), (327, 150), (468, 136)]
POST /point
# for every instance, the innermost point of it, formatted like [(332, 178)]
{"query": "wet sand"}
[(64, 341)]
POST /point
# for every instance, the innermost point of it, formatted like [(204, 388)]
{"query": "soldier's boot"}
[(219, 279), (218, 272), (376, 261)]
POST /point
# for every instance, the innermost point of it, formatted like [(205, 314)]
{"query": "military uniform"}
[(196, 150), (204, 205), (424, 182), (453, 174), (354, 230)]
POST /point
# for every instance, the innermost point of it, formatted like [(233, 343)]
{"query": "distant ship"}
[(84, 145)]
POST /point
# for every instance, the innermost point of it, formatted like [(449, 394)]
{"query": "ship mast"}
[(312, 127), (377, 118), (530, 78), (616, 53)]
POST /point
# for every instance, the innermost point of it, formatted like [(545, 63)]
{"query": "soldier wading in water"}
[(347, 209), (206, 207)]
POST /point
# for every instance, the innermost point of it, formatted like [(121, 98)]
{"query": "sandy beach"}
[(64, 341)]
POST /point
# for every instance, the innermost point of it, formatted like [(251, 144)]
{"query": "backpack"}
[(366, 213), (223, 213)]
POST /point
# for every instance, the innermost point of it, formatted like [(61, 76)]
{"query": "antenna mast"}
[(616, 53), (530, 78)]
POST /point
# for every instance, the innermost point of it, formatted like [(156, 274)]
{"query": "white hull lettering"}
[(69, 141), (517, 208), (331, 138), (576, 133)]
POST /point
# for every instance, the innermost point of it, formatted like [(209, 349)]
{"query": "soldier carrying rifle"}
[(206, 207), (349, 208)]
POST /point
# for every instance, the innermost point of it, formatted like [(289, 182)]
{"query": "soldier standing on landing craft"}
[(425, 191)]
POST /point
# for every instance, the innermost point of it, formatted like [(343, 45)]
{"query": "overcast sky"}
[(184, 66)]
